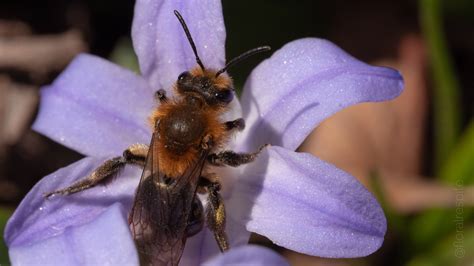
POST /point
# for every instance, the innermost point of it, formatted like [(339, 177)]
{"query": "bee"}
[(188, 135)]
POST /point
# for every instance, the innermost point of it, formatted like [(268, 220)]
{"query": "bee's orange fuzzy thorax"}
[(174, 165)]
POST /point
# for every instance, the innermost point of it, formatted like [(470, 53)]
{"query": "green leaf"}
[(453, 158), (459, 167), (446, 86), (458, 172), (124, 55), (4, 216), (455, 250)]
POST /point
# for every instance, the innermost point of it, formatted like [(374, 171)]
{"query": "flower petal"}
[(199, 248), (248, 255), (162, 47), (308, 205), (106, 241), (304, 82), (95, 107), (77, 229)]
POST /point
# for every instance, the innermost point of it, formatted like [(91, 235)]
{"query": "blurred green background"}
[(369, 30)]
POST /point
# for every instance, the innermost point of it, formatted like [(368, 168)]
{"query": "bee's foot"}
[(267, 145), (57, 192)]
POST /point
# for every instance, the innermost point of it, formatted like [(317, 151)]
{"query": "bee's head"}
[(214, 90), (215, 87)]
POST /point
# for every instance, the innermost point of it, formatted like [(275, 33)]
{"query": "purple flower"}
[(296, 200)]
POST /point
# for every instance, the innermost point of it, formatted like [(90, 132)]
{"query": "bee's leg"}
[(232, 158), (160, 95), (135, 154), (215, 211), (237, 124)]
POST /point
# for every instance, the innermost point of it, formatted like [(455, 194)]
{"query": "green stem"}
[(446, 87), (458, 169)]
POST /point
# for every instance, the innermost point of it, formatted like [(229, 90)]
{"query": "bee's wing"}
[(160, 212)]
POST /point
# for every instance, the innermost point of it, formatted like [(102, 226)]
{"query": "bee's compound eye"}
[(225, 96), (183, 76)]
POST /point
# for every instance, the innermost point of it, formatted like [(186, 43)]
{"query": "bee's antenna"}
[(190, 39), (242, 57)]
